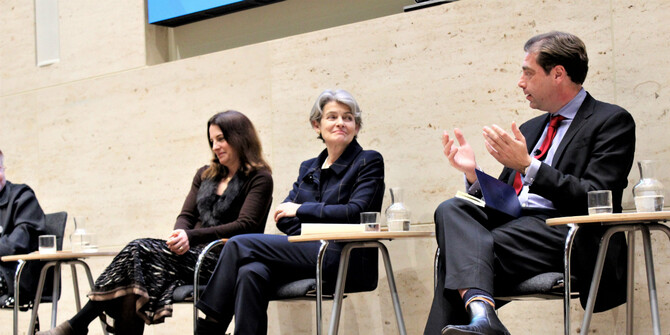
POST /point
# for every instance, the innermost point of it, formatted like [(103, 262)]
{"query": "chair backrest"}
[(55, 223)]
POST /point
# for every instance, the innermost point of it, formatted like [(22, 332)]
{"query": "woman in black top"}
[(230, 196)]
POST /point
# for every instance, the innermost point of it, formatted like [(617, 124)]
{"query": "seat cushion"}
[(185, 293), (299, 289), (295, 289), (543, 286), (542, 283)]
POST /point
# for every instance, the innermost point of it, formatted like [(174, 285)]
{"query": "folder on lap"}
[(496, 195)]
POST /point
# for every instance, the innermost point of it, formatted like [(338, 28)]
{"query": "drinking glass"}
[(89, 242), (371, 221), (600, 202), (47, 244)]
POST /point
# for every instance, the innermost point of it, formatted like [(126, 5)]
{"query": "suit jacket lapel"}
[(584, 112), (532, 130), (535, 128)]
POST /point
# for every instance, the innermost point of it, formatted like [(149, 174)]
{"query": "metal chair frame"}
[(339, 285), (644, 228), (56, 265), (196, 277), (56, 291)]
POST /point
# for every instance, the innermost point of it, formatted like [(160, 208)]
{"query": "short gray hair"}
[(340, 96)]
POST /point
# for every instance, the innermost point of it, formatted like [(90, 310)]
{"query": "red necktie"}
[(542, 152)]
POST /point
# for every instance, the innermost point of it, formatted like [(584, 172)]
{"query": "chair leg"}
[(38, 296), (319, 286), (91, 283), (567, 282), (55, 296), (630, 280), (196, 278), (17, 277), (392, 287), (339, 288), (651, 280), (75, 284), (342, 277), (597, 273)]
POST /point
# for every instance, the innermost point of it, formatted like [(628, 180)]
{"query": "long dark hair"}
[(240, 134)]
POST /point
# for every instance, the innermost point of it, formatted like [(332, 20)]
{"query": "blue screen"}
[(160, 10)]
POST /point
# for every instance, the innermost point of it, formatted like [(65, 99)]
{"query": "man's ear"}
[(559, 72)]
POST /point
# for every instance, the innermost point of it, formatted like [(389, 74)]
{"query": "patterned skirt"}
[(148, 269)]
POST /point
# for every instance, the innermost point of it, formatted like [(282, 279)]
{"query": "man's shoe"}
[(483, 321)]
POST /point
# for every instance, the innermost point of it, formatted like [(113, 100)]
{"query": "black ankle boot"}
[(483, 321)]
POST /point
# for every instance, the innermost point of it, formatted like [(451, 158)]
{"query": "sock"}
[(473, 294)]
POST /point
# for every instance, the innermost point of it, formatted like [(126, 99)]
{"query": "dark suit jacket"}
[(596, 153), (21, 222), (353, 184)]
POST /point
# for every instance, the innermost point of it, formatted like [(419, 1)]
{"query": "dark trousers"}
[(482, 249), (250, 268)]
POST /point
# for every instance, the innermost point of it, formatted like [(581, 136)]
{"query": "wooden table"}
[(54, 260), (354, 241), (620, 222)]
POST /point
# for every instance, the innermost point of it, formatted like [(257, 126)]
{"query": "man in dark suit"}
[(553, 160), (21, 222)]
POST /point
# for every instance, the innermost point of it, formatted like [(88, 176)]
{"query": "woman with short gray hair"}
[(334, 187)]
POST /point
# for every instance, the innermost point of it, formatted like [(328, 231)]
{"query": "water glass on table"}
[(371, 221), (47, 244), (600, 202), (89, 242)]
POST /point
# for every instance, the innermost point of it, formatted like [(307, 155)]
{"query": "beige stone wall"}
[(116, 142)]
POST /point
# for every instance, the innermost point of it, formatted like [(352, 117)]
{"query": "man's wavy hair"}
[(559, 48)]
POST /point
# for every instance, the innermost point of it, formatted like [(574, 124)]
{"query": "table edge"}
[(610, 218), (60, 255), (358, 236)]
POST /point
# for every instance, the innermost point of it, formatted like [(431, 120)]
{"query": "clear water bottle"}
[(648, 192), (77, 238), (397, 215)]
